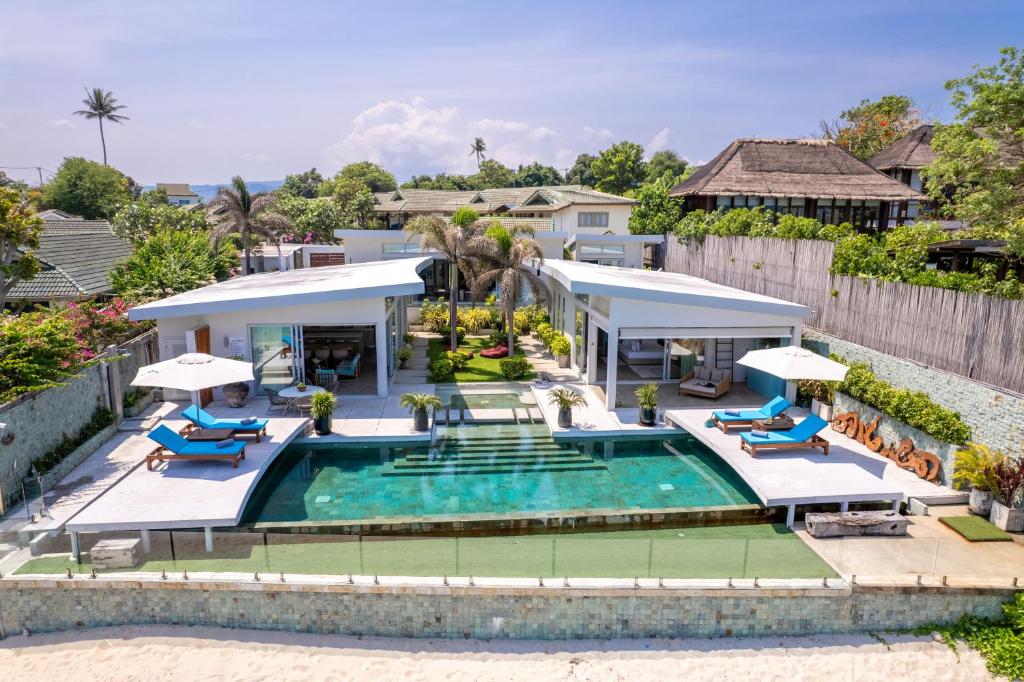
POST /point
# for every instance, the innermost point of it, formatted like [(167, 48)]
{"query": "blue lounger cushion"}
[(204, 420), (179, 446), (800, 433), (772, 408)]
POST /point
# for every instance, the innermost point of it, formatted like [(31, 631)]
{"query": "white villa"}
[(179, 193)]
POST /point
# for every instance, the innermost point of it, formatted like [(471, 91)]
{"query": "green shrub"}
[(446, 333), (434, 316), (515, 367), (441, 370), (521, 322), (37, 351), (543, 332), (457, 358), (559, 345), (500, 338), (101, 419), (913, 408), (999, 641)]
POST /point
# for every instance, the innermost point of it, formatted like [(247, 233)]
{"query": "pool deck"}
[(849, 473), (199, 494)]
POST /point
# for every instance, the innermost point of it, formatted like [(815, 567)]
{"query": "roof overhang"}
[(616, 239), (663, 287), (291, 288)]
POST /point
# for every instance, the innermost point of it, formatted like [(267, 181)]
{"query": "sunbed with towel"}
[(173, 446), (242, 427), (803, 435), (723, 419)]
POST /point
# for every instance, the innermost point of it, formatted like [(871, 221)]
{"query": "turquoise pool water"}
[(491, 470)]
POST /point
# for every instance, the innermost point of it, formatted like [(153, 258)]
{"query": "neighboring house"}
[(57, 214), (903, 160), (179, 193), (813, 178), (593, 225), (76, 257), (291, 256)]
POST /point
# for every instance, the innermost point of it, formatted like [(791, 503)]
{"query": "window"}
[(592, 219), (399, 248), (602, 254)]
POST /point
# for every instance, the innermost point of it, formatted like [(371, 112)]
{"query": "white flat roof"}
[(292, 287), (663, 287), (617, 238)]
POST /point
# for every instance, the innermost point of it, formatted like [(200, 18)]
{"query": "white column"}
[(208, 533), (612, 360), (570, 313), (844, 506), (591, 351), (790, 515), (791, 385), (382, 358), (147, 545), (75, 547)]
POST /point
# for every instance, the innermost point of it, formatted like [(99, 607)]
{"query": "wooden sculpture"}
[(925, 464)]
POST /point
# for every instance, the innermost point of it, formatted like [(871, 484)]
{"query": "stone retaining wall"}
[(41, 605), (996, 417)]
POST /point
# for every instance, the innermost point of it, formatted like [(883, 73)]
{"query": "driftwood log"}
[(850, 423), (834, 525)]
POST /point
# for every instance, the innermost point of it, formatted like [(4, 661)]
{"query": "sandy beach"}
[(183, 653)]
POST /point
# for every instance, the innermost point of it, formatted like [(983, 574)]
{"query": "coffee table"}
[(210, 434), (777, 424)]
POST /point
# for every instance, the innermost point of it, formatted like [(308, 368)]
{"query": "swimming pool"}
[(487, 400), (491, 471)]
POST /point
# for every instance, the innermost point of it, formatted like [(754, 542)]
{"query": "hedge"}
[(515, 367)]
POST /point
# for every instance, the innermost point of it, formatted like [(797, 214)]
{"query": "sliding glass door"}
[(273, 347)]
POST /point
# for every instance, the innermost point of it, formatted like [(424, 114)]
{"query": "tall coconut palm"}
[(102, 106), (478, 147), (502, 256), (451, 239), (236, 210)]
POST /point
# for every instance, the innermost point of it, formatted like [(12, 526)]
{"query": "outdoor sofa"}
[(172, 446), (771, 409), (204, 420), (706, 382), (803, 435)]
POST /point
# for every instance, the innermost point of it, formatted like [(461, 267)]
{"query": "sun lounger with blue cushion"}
[(173, 446), (723, 419), (803, 435), (243, 427)]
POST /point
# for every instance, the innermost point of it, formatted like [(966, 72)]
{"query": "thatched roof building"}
[(913, 151), (805, 177)]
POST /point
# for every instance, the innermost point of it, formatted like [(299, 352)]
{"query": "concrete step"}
[(503, 468), (485, 456)]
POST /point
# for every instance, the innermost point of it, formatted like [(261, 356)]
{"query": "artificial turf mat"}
[(976, 529)]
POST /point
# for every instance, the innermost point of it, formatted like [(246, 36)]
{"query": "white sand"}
[(181, 653)]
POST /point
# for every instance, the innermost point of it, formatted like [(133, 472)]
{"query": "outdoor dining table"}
[(292, 394)]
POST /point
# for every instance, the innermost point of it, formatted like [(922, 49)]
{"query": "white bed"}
[(641, 352)]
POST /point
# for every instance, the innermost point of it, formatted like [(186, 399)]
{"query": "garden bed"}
[(478, 368)]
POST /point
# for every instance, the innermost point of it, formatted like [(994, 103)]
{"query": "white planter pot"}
[(562, 360), (980, 502), (822, 410), (1007, 518)]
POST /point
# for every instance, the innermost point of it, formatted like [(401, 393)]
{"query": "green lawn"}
[(478, 369), (976, 529), (766, 551)]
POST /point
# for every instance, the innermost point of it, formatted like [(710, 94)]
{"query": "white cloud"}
[(2, 126), (256, 156), (597, 134), (412, 137), (659, 141), (62, 123)]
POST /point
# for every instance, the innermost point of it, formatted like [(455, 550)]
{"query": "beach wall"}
[(42, 605)]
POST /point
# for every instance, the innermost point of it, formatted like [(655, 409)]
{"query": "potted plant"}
[(821, 394), (301, 387), (566, 399), (1006, 511), (404, 354), (321, 410), (560, 349), (419, 404), (647, 401), (237, 392), (974, 468)]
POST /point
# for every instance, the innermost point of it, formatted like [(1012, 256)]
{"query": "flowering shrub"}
[(98, 325)]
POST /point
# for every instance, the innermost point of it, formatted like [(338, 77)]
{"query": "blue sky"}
[(263, 89)]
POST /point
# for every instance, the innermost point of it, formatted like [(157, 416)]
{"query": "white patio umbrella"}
[(794, 363), (193, 372)]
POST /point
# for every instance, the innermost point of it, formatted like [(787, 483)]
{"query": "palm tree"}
[(478, 147), (451, 240), (501, 256), (235, 209), (102, 105)]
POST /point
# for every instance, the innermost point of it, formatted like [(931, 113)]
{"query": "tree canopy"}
[(303, 185), (655, 212), (979, 169), (620, 168), (168, 262), (88, 189), (582, 171), (314, 220), (665, 161), (375, 178), (870, 127), (139, 219), (19, 234), (538, 175), (355, 201)]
